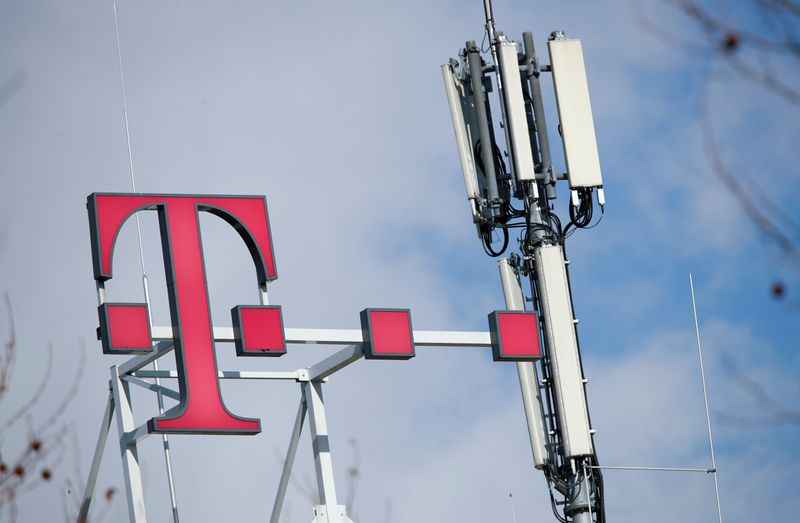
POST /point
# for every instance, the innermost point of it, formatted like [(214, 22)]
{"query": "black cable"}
[(497, 155), (499, 164), (555, 223), (597, 476), (553, 503), (487, 243), (580, 217)]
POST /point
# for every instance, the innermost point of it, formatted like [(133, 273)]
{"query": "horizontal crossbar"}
[(224, 375), (351, 337), (654, 469), (135, 380), (163, 335)]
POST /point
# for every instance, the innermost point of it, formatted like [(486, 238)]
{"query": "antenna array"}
[(511, 186)]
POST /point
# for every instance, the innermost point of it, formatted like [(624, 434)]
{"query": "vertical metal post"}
[(528, 375), (286, 474), (102, 438), (128, 449), (101, 292), (487, 11), (160, 400), (328, 510), (538, 114), (483, 117), (319, 440), (164, 437)]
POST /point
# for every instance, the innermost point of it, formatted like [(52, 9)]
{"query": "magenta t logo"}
[(124, 328), (258, 329)]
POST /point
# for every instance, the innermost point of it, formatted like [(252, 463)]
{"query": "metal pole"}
[(102, 438), (588, 489), (319, 440), (579, 506), (291, 452), (705, 398), (263, 296), (538, 113), (160, 398), (128, 449), (101, 296), (328, 510), (484, 130), (487, 10)]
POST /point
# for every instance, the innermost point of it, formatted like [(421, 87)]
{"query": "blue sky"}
[(337, 114)]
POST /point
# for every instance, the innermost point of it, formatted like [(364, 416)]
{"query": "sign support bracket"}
[(128, 447), (312, 405), (102, 438), (328, 510), (291, 452)]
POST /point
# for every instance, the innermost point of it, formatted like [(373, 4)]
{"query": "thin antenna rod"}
[(652, 469), (127, 129), (705, 398), (513, 512), (146, 287), (487, 9)]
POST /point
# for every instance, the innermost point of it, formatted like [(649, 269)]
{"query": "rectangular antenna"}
[(516, 116), (575, 113), (528, 375), (454, 90), (562, 344)]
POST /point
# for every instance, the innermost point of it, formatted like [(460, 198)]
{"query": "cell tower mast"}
[(511, 187)]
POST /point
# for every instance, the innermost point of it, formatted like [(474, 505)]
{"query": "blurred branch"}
[(670, 38), (729, 36), (73, 510), (35, 396), (757, 41), (776, 412), (765, 78), (43, 453), (11, 86), (8, 357), (353, 475), (308, 489), (71, 392), (728, 41), (771, 229)]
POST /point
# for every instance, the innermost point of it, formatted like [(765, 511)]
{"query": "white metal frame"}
[(311, 405)]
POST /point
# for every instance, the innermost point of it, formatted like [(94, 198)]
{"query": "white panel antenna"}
[(455, 99), (565, 359), (528, 375), (575, 112), (509, 162), (515, 113)]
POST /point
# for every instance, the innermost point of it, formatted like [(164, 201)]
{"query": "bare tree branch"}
[(35, 397), (772, 412), (35, 464), (770, 228)]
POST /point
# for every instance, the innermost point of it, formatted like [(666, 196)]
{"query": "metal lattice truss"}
[(310, 379)]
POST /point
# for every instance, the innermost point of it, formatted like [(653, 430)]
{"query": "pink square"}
[(387, 333), (127, 327), (515, 335), (259, 330)]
